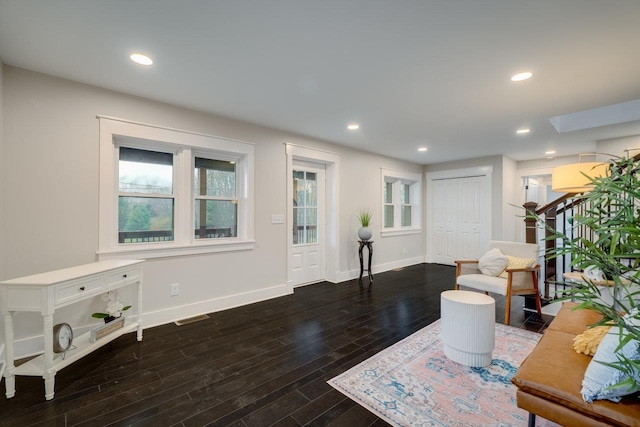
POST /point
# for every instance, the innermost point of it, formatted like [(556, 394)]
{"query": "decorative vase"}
[(365, 233)]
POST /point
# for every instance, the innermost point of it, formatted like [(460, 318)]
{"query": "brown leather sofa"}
[(550, 379)]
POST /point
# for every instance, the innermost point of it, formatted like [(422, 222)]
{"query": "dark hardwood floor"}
[(258, 365)]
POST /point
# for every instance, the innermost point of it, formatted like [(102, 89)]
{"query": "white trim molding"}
[(381, 268), (414, 180), (213, 305), (332, 205), (184, 145)]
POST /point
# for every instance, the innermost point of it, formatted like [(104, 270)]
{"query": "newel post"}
[(530, 223)]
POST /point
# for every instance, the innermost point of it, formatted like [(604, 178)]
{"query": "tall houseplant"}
[(609, 240)]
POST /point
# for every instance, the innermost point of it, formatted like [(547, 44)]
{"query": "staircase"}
[(556, 215)]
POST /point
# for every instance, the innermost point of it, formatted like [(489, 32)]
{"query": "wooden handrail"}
[(555, 203)]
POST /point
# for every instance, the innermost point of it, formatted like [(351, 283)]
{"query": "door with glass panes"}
[(307, 234)]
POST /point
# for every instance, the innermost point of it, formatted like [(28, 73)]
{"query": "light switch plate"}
[(277, 219)]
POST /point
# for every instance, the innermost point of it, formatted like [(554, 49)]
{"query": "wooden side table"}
[(369, 245)]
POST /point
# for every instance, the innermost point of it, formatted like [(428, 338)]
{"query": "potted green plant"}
[(609, 243), (364, 217)]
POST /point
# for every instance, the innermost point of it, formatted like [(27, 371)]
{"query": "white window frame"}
[(185, 146), (195, 196), (397, 178)]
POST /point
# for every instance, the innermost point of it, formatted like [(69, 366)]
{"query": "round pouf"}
[(467, 327)]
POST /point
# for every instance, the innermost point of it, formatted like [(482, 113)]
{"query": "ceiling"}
[(412, 73)]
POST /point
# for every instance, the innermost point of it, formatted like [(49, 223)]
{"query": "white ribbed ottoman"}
[(468, 327)]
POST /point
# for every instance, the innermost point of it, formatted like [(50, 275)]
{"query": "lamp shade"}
[(571, 178)]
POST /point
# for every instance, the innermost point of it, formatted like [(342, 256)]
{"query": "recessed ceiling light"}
[(422, 149), (550, 152), (353, 126), (521, 76), (523, 131), (141, 59)]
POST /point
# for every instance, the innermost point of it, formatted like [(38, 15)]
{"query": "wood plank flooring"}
[(265, 364)]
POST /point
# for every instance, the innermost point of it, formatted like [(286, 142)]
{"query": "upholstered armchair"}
[(519, 276)]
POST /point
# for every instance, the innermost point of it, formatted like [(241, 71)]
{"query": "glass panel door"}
[(305, 208)]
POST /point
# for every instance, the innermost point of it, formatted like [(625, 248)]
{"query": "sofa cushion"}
[(492, 263), (574, 321)]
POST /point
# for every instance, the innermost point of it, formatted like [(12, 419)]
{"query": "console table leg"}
[(49, 374), (49, 384), (10, 385), (532, 420), (139, 302), (9, 378)]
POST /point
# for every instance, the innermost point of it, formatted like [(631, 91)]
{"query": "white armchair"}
[(518, 281)]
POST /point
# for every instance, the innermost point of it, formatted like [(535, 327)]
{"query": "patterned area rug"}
[(412, 383)]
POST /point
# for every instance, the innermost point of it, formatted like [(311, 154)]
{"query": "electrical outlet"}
[(404, 251), (175, 289)]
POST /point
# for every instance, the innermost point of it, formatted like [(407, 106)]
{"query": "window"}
[(165, 192), (216, 204), (145, 196), (405, 205), (401, 193)]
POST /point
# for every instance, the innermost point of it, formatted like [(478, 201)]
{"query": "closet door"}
[(444, 207), (472, 239), (460, 214)]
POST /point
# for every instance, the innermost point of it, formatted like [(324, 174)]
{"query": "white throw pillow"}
[(493, 262)]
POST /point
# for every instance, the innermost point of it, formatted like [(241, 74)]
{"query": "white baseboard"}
[(32, 346), (172, 314), (380, 268)]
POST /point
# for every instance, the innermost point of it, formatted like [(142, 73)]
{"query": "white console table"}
[(47, 292)]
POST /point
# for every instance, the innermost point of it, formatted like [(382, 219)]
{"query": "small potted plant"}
[(114, 307), (364, 217)]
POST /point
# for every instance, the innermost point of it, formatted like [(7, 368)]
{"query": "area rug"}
[(413, 383)]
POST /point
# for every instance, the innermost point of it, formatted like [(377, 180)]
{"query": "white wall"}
[(618, 146), (511, 212), (51, 202), (2, 156), (1, 167)]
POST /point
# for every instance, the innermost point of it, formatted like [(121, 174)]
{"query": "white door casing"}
[(331, 161)]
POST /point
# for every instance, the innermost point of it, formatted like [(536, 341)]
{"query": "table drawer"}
[(125, 275), (78, 290)]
